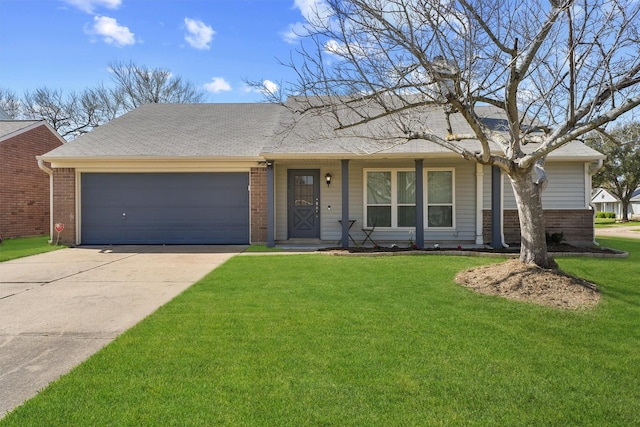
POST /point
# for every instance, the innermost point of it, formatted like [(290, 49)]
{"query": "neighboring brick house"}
[(254, 173), (24, 187)]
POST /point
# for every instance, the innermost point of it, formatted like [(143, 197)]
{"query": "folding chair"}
[(368, 230)]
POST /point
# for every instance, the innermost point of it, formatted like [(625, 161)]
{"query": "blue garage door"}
[(165, 208)]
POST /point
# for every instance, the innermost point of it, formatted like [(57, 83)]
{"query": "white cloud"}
[(315, 12), (90, 5), (312, 10), (295, 31), (112, 32), (269, 87), (199, 35), (217, 84)]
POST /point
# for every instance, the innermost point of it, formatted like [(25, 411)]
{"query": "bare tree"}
[(136, 85), (620, 174), (557, 69), (69, 114), (75, 113), (10, 103)]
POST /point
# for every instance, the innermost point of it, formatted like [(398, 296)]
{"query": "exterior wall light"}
[(327, 178)]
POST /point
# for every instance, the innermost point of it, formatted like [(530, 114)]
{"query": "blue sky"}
[(68, 44)]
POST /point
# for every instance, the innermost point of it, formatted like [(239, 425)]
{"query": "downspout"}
[(49, 172), (591, 170)]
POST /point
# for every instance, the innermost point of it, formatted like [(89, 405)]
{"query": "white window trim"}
[(394, 196), (453, 198)]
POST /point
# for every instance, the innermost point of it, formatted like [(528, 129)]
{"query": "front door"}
[(304, 203)]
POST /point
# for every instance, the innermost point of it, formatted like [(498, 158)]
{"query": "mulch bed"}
[(559, 249)]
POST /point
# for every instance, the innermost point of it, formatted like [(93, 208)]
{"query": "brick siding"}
[(24, 187), (576, 225), (258, 182), (64, 203)]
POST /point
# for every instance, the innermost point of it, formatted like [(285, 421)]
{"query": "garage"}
[(164, 208)]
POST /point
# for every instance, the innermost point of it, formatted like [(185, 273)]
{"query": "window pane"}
[(303, 190), (379, 187), (406, 216), (382, 215), (440, 187), (440, 216), (406, 188)]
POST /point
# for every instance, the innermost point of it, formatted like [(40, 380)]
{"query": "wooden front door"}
[(304, 203)]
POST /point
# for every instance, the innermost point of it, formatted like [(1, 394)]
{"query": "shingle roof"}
[(9, 127), (179, 130), (263, 130)]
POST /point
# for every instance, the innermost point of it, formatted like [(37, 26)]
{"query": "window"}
[(439, 198), (391, 198)]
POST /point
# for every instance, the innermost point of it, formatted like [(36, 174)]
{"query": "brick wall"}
[(258, 182), (64, 203), (24, 187), (577, 225)]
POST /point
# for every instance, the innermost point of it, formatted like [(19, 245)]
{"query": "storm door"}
[(304, 203)]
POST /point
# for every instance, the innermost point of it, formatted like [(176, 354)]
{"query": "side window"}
[(379, 198), (440, 198)]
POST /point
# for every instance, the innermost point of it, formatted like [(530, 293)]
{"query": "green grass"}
[(321, 340), (262, 248), (25, 246), (612, 222)]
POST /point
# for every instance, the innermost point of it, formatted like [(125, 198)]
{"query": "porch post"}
[(345, 203), (271, 242), (496, 207), (479, 203), (419, 204)]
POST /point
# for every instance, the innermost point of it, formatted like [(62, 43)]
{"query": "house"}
[(604, 201), (24, 190), (255, 173), (634, 206)]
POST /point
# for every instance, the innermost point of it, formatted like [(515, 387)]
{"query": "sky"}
[(216, 44)]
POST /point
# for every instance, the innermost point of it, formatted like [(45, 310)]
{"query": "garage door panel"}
[(158, 208)]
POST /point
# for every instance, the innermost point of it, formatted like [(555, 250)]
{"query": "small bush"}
[(554, 238), (605, 215)]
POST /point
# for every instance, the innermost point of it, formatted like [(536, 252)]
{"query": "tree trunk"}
[(533, 247), (625, 210)]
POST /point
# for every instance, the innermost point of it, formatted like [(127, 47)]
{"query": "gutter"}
[(49, 172)]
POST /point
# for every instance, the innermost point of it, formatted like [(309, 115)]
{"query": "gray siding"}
[(565, 190), (465, 200)]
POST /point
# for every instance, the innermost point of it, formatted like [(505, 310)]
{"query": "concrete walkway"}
[(58, 308)]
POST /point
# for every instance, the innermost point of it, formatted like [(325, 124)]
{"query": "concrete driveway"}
[(58, 308)]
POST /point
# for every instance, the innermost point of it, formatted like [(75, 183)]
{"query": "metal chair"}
[(368, 231)]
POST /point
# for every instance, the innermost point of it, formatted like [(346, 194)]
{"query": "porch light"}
[(327, 178)]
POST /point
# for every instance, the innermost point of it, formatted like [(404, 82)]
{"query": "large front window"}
[(391, 198)]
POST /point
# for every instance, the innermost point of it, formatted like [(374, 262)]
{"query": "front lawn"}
[(322, 340), (25, 246), (612, 222)]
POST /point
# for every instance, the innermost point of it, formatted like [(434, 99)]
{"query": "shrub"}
[(554, 238), (605, 215)]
